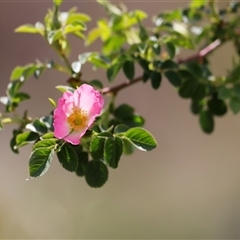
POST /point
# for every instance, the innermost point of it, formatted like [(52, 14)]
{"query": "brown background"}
[(187, 188)]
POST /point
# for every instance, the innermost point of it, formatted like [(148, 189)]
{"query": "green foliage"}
[(37, 126), (68, 158), (82, 163), (113, 149), (173, 78), (113, 71), (123, 111), (25, 138), (217, 107), (234, 105), (129, 70), (128, 47), (206, 121), (156, 79), (40, 161), (97, 147), (141, 139), (96, 173)]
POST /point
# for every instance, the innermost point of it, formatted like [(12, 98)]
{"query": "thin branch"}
[(67, 63), (117, 88), (201, 54)]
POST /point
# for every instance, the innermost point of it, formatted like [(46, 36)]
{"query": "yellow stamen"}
[(78, 119)]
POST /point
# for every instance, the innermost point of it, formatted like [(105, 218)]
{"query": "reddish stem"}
[(201, 54)]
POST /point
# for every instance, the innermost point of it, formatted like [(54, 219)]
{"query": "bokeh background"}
[(189, 187)]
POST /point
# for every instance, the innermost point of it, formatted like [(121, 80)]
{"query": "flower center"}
[(78, 119)]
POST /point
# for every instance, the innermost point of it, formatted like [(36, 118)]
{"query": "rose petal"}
[(85, 98), (74, 138), (60, 124)]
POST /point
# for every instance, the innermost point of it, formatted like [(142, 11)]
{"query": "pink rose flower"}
[(76, 112)]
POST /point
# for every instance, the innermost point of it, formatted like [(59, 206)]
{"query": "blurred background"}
[(189, 187)]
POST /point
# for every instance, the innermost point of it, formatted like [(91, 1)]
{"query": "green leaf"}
[(188, 88), (48, 121), (20, 96), (13, 88), (156, 48), (128, 69), (25, 138), (206, 121), (57, 2), (185, 74), (6, 120), (113, 44), (48, 136), (132, 37), (123, 111), (37, 126), (170, 49), (27, 28), (96, 173), (120, 128), (128, 147), (169, 64), (52, 102), (113, 149), (96, 83), (13, 140), (236, 91), (144, 64), (217, 107), (63, 88), (99, 61), (71, 28), (113, 71), (141, 139), (17, 73), (145, 76), (234, 105), (97, 147), (23, 72), (38, 71), (134, 121), (197, 3), (200, 92), (171, 15), (82, 163), (156, 79), (78, 17), (54, 35), (139, 14), (224, 93), (174, 78), (93, 35), (105, 134), (196, 107), (195, 69), (40, 161), (68, 158), (143, 34), (45, 143)]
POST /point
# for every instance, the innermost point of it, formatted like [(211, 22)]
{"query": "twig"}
[(201, 54), (67, 63), (119, 87)]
